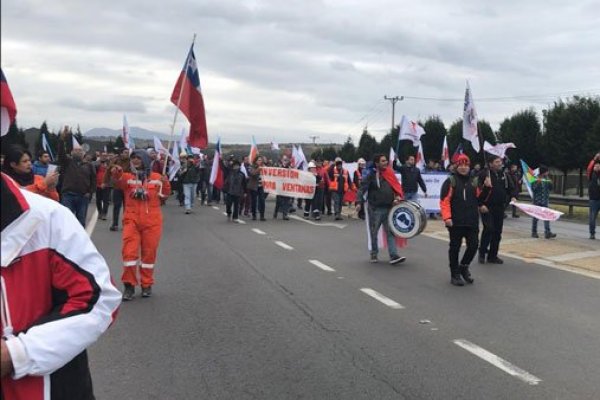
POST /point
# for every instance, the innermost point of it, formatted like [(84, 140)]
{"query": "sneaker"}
[(374, 258), (535, 235), (466, 274), (129, 292), (516, 216), (285, 218), (593, 236), (397, 260), (254, 218), (496, 260), (550, 235), (188, 211), (262, 218), (147, 291), (456, 280), (237, 220), (481, 259), (338, 218), (114, 228)]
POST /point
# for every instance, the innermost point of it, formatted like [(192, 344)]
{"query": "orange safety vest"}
[(333, 183)]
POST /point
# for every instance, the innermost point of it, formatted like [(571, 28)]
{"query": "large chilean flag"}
[(9, 109), (216, 174), (191, 103)]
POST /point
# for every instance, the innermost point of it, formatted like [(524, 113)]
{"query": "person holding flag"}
[(382, 191), (593, 173), (142, 221), (541, 189)]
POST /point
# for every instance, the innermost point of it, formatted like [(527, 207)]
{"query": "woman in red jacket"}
[(142, 221)]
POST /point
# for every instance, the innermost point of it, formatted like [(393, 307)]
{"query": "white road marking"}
[(498, 362), (215, 207), (255, 230), (92, 224), (224, 213), (297, 218), (319, 264), (284, 245), (575, 256), (239, 221), (379, 297)]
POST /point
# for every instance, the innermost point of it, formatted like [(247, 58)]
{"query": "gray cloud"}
[(103, 106)]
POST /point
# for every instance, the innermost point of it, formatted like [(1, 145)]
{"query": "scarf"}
[(390, 177)]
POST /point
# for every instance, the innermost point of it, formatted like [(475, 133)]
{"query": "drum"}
[(407, 219)]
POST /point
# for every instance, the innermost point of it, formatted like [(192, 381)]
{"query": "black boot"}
[(129, 292), (466, 274), (455, 278)]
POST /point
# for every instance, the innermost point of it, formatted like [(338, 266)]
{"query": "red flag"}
[(389, 175), (8, 109), (216, 174), (191, 102)]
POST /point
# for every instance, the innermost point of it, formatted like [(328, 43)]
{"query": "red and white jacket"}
[(57, 297)]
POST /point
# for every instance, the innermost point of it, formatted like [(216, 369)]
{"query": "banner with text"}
[(539, 212), (433, 182), (288, 182)]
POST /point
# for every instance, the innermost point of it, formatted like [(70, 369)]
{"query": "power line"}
[(505, 98)]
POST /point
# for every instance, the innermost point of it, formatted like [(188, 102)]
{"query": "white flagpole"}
[(177, 109)]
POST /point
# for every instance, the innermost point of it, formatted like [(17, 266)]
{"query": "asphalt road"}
[(236, 315)]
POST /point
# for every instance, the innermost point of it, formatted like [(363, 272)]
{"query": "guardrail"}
[(561, 200)]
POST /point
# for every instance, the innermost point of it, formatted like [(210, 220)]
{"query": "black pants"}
[(258, 201), (493, 222), (102, 196), (231, 200), (282, 204), (315, 204), (117, 204), (327, 202), (457, 233)]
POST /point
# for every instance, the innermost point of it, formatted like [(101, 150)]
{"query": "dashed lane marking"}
[(215, 208), (297, 218), (319, 264), (255, 230), (498, 362), (379, 297), (283, 245)]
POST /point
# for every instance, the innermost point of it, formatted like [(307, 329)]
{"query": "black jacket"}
[(380, 194), (501, 191), (460, 198), (411, 177), (594, 186), (77, 176)]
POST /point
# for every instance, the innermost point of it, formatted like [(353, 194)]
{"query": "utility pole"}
[(314, 139), (393, 100)]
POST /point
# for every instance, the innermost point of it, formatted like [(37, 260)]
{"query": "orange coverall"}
[(142, 225)]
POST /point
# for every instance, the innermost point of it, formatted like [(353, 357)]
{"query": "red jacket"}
[(57, 297)]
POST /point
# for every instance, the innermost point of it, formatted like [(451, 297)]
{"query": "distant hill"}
[(135, 132)]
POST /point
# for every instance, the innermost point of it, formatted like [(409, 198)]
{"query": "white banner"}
[(288, 182), (539, 212), (433, 182)]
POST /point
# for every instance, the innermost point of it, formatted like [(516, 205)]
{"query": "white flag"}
[(244, 170), (183, 144), (76, 144), (274, 146), (420, 161), (46, 147), (392, 156), (158, 146), (499, 149), (126, 132), (301, 162), (176, 163), (445, 153), (410, 130), (470, 120)]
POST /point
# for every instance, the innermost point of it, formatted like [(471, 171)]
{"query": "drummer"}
[(383, 191)]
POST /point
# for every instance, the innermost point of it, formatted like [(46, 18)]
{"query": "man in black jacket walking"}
[(593, 171), (492, 210), (411, 177)]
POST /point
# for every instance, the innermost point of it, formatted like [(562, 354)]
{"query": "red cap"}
[(462, 159)]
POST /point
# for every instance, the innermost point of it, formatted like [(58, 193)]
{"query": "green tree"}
[(386, 142), (567, 125), (367, 146), (329, 153), (15, 135), (348, 150), (592, 145), (524, 130), (433, 140), (119, 144)]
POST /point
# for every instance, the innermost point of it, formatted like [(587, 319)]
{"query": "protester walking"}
[(189, 176), (234, 187), (283, 203), (17, 165), (118, 197), (339, 183), (102, 190), (492, 210), (541, 189), (411, 179), (383, 191), (516, 180), (459, 202), (313, 206), (142, 221), (257, 191)]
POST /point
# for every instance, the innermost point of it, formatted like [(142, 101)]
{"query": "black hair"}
[(13, 153), (377, 157), (491, 158), (41, 153)]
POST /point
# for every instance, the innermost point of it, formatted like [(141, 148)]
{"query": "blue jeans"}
[(78, 204), (379, 216), (189, 191), (594, 208), (411, 196)]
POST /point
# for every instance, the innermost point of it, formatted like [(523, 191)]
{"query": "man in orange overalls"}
[(142, 221)]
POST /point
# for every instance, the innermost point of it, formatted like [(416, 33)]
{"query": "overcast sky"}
[(286, 70)]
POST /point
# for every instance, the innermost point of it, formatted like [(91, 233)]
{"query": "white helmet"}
[(361, 161), (312, 165)]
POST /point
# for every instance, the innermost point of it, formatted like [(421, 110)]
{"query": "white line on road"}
[(284, 245), (239, 221), (224, 213), (92, 224), (498, 362), (215, 207), (297, 218), (575, 256), (319, 264), (256, 230), (379, 297)]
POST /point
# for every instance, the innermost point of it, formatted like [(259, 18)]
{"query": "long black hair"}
[(13, 154)]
